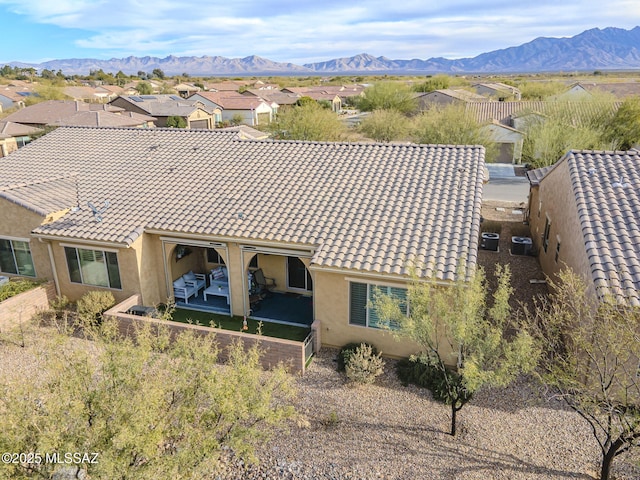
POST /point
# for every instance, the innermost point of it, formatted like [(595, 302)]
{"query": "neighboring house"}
[(620, 90), (246, 133), (225, 86), (162, 107), (446, 96), (14, 136), (499, 91), (518, 117), (100, 118), (252, 111), (509, 141), (274, 98), (186, 89), (100, 94), (583, 213), (319, 94), (329, 222), (51, 112), (12, 96)]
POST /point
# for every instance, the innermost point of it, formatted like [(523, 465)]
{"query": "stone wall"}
[(275, 350), (20, 308)]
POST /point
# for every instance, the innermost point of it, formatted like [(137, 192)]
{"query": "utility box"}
[(490, 241), (521, 245)]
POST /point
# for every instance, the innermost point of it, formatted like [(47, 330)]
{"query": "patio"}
[(287, 308)]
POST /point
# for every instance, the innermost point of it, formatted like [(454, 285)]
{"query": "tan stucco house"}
[(163, 107), (584, 213), (134, 210)]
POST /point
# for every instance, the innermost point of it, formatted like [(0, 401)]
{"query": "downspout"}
[(53, 267)]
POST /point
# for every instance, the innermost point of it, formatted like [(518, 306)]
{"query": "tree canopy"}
[(388, 96), (590, 361), (309, 121), (150, 407), (469, 343)]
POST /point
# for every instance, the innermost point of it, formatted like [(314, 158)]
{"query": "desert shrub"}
[(11, 289), (92, 305), (423, 371), (363, 365), (348, 350)]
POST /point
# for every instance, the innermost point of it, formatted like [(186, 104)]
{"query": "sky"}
[(297, 31)]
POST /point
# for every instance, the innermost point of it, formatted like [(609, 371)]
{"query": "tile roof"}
[(12, 129), (535, 176), (163, 105), (101, 118), (458, 94), (503, 112), (369, 207), (229, 100), (51, 111), (606, 186)]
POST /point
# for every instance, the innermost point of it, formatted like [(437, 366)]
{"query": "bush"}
[(92, 305), (346, 351), (363, 365), (423, 371), (11, 289)]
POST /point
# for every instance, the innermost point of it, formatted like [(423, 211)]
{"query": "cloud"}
[(291, 30)]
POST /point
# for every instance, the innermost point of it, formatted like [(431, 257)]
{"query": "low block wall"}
[(20, 308), (274, 350)]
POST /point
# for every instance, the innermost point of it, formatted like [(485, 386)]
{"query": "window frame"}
[(16, 264), (547, 234), (107, 258), (369, 321)]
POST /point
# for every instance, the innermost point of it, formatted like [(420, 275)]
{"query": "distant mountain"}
[(172, 65), (609, 48)]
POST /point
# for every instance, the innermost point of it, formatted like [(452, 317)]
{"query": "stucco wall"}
[(275, 350), (331, 305), (127, 263), (559, 205), (17, 221)]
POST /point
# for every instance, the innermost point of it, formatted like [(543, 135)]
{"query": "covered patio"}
[(288, 308)]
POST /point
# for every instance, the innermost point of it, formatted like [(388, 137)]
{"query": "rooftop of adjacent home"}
[(363, 206), (605, 185)]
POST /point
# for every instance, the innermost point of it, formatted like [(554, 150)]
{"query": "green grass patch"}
[(269, 329)]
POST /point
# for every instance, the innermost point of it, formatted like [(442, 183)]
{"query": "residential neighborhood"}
[(286, 216)]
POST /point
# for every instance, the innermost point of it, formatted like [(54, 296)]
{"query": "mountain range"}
[(604, 49)]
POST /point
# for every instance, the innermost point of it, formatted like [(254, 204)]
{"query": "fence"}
[(20, 308), (275, 350)]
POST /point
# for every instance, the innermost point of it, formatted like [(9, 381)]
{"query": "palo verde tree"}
[(469, 343), (451, 125), (307, 122), (385, 126), (623, 130), (388, 96), (591, 358), (150, 406)]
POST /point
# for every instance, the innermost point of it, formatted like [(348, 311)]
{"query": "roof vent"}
[(97, 212)]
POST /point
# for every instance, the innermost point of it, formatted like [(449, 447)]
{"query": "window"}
[(297, 274), (361, 299), (214, 257), (15, 257), (545, 236), (93, 267), (254, 262)]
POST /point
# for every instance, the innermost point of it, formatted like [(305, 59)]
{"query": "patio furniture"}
[(264, 284), (217, 290), (189, 285)]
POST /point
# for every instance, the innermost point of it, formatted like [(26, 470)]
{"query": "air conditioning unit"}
[(490, 241), (521, 245)]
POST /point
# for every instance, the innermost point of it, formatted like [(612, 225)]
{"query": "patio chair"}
[(264, 284)]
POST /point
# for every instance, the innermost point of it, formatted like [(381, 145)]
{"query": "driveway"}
[(504, 185)]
